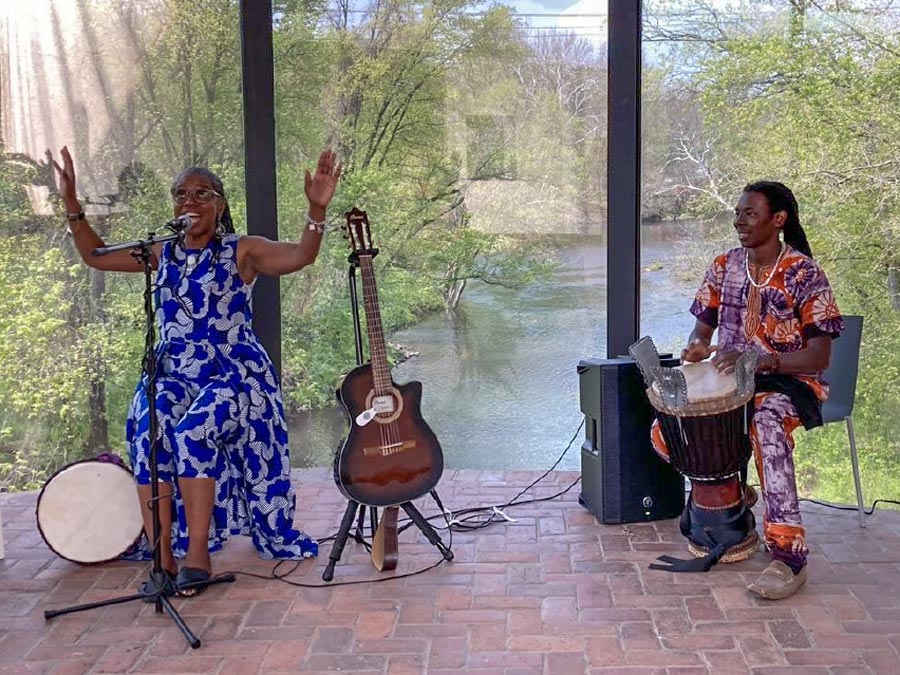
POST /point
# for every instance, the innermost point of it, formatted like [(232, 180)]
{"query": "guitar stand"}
[(354, 508), (347, 522)]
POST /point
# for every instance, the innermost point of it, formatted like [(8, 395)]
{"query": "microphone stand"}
[(354, 508), (154, 589)]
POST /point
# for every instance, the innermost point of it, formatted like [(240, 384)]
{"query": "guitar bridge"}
[(389, 449)]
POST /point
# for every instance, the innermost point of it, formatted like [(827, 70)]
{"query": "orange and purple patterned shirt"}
[(796, 304)]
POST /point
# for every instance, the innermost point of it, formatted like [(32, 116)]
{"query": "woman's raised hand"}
[(65, 176), (320, 187)]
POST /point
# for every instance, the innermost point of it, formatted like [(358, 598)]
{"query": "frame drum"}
[(89, 512)]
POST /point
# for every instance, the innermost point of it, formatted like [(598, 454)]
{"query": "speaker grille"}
[(623, 480)]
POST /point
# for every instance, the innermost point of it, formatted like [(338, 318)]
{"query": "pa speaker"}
[(622, 478)]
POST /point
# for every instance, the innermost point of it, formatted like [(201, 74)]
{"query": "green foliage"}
[(389, 90), (811, 100), (14, 206), (45, 362), (385, 78)]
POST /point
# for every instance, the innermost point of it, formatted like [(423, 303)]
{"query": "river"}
[(500, 387)]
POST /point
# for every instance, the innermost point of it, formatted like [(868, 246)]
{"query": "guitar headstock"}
[(359, 236)]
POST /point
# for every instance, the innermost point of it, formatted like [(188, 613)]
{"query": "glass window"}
[(475, 141), (137, 90), (798, 93)]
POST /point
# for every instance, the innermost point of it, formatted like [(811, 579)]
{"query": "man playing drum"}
[(770, 296)]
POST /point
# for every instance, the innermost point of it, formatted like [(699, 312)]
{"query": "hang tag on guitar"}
[(365, 417), (380, 404)]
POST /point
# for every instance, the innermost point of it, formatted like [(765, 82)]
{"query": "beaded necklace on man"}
[(754, 299)]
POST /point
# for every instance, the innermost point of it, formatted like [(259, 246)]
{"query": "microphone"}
[(180, 224)]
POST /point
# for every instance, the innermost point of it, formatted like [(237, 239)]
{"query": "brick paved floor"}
[(551, 593)]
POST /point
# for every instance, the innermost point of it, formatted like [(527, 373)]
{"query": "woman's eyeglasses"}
[(200, 195)]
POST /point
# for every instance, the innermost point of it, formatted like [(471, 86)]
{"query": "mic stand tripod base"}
[(159, 583)]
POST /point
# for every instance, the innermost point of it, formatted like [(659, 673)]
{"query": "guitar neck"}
[(381, 372)]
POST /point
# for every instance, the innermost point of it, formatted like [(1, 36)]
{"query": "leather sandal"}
[(191, 581), (777, 582)]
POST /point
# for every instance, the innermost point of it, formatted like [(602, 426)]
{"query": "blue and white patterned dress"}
[(218, 404)]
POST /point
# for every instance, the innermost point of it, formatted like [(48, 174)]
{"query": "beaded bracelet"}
[(317, 225), (73, 218)]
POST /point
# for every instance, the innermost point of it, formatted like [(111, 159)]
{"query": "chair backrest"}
[(842, 372)]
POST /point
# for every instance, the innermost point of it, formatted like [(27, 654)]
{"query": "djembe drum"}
[(704, 420)]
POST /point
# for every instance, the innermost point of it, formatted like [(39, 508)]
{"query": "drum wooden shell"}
[(707, 438), (707, 447), (88, 512)]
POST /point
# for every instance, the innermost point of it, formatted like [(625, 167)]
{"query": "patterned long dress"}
[(219, 405), (796, 305)]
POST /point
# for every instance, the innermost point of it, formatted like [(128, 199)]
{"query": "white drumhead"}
[(89, 512), (705, 383)]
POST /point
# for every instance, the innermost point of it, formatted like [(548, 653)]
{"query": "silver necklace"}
[(771, 274), (191, 260)]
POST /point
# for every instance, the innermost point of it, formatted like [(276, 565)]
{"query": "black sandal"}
[(191, 581)]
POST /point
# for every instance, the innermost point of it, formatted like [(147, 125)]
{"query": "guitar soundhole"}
[(388, 407)]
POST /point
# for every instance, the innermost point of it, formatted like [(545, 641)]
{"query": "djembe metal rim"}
[(705, 408)]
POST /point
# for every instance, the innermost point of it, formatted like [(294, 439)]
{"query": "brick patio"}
[(552, 593)]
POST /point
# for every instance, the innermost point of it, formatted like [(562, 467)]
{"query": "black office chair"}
[(841, 375)]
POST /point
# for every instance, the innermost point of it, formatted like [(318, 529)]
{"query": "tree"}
[(807, 95)]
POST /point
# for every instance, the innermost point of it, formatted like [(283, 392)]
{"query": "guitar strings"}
[(370, 299), (389, 431)]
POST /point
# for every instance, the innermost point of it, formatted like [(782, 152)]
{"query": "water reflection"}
[(500, 387)]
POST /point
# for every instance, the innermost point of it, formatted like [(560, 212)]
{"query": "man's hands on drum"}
[(724, 361), (697, 350)]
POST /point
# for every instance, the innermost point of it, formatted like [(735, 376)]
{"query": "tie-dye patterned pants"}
[(774, 420)]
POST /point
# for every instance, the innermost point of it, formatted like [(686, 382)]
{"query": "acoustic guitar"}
[(390, 456)]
